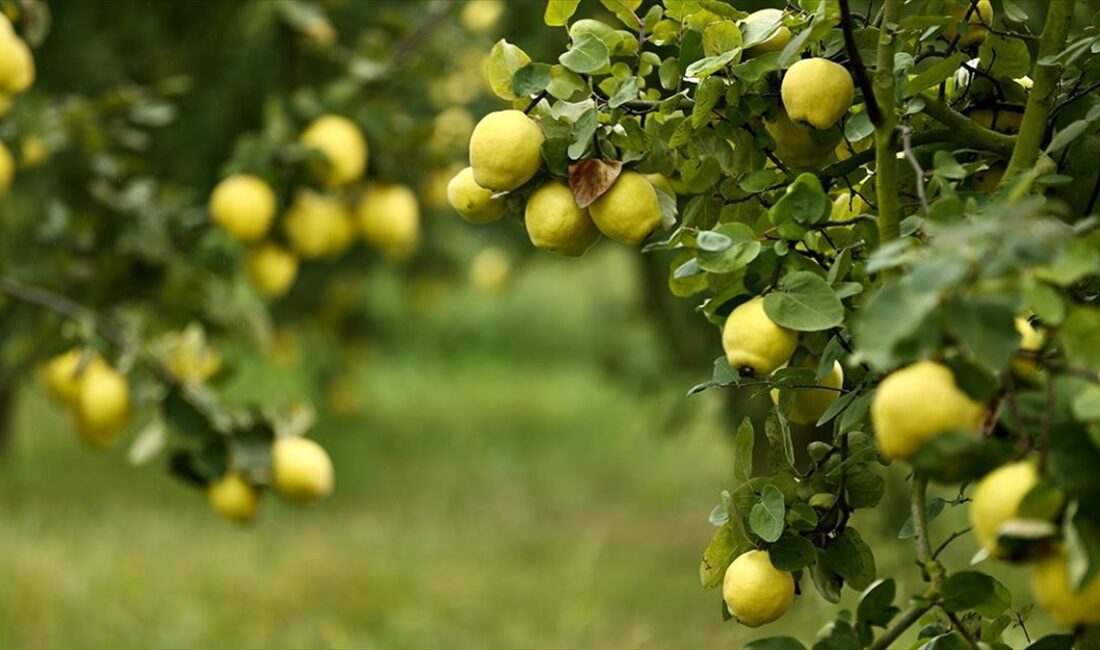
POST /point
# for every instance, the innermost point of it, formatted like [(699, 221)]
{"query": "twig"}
[(908, 618), (856, 61), (970, 640), (906, 143), (535, 102), (955, 535)]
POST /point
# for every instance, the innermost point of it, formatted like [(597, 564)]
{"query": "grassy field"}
[(483, 499)]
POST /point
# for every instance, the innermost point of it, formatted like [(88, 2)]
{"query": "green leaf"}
[(503, 62), (937, 73), (1004, 57), (1053, 642), (932, 509), (1080, 336), (624, 10), (827, 581), (780, 446), (743, 442), (531, 79), (791, 553), (1082, 535), (583, 130), (558, 12), (973, 590), (986, 329), (804, 302), (720, 37), (864, 486), (742, 250), (709, 65), (627, 92), (589, 54), (805, 202), (564, 83), (958, 457), (706, 98), (724, 547), (767, 517), (876, 603), (852, 559)]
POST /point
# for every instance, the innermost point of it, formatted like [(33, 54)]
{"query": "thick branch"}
[(886, 162), (1040, 100), (966, 131)]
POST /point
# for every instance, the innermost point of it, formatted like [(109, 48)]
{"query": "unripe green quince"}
[(817, 92), (505, 150)]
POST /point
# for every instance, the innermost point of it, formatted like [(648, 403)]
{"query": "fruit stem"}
[(886, 162), (1040, 100)]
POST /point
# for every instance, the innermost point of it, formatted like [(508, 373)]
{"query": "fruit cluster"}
[(319, 222)]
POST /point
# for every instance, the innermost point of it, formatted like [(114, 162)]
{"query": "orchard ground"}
[(515, 479)]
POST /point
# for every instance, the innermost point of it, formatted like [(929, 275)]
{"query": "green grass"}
[(485, 498)]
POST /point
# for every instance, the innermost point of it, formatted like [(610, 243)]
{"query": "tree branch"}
[(856, 62), (886, 162), (966, 131), (1040, 100), (911, 616)]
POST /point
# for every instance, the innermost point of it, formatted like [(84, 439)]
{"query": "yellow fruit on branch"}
[(189, 358), (17, 71), (61, 375), (754, 344), (317, 225), (343, 146), (1032, 340), (555, 223), (981, 18), (1000, 119), (302, 469), (997, 499), (505, 150), (918, 403), (389, 219), (756, 593), (629, 211), (798, 145), (817, 92), (1050, 584), (271, 269), (481, 15), (233, 498), (472, 201), (660, 182), (807, 405), (244, 205), (490, 270), (765, 19), (7, 168), (102, 407)]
